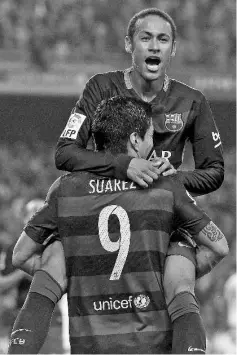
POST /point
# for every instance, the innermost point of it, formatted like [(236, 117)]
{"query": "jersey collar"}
[(129, 86)]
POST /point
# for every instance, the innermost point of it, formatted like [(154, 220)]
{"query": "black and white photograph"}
[(118, 177)]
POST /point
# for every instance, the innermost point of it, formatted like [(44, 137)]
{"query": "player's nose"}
[(154, 45)]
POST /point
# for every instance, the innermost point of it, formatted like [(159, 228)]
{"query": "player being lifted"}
[(179, 113), (115, 237)]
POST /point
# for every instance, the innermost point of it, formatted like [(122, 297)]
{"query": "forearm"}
[(31, 325), (31, 265), (10, 280), (71, 157), (211, 248), (202, 181), (206, 260)]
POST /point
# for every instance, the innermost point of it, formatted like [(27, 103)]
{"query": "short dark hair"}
[(147, 12), (115, 119)]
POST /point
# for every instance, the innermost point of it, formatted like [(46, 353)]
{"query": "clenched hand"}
[(144, 172)]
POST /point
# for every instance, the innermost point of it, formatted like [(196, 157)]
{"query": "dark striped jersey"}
[(179, 113), (115, 238)]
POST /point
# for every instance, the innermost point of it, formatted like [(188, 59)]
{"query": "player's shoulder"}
[(55, 187), (170, 183), (176, 187), (107, 77), (178, 88), (74, 183)]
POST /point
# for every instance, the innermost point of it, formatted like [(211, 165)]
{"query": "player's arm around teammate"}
[(151, 42), (179, 281), (20, 259), (49, 283), (188, 259), (71, 151)]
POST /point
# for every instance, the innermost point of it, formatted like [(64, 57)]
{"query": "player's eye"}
[(164, 40)]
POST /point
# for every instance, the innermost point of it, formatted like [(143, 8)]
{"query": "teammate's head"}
[(151, 40), (123, 125), (134, 21)]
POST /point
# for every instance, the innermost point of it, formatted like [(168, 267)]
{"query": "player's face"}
[(152, 47), (146, 144)]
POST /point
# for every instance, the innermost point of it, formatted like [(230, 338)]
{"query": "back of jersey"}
[(115, 238)]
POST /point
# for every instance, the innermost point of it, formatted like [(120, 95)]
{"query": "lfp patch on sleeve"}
[(73, 125)]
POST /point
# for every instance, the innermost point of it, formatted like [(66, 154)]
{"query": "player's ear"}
[(173, 49), (134, 142), (128, 44)]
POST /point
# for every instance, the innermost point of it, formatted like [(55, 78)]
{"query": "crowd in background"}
[(50, 30)]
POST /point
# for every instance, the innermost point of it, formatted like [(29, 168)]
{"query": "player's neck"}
[(146, 89)]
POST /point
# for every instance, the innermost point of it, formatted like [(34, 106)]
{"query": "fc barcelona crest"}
[(173, 122)]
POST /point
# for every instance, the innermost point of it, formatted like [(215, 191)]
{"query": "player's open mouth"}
[(153, 63)]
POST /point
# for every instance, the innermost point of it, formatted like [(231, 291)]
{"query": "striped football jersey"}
[(115, 238)]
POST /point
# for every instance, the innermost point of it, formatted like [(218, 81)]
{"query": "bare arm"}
[(212, 248), (27, 254)]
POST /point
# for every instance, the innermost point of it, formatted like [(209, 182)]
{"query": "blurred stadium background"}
[(48, 50)]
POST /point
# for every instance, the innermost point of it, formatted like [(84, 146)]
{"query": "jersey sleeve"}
[(44, 222), (207, 152), (187, 215), (71, 150)]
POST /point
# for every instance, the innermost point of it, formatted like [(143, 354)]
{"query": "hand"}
[(166, 168), (142, 171)]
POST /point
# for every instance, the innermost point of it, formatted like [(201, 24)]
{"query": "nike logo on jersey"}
[(184, 245)]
